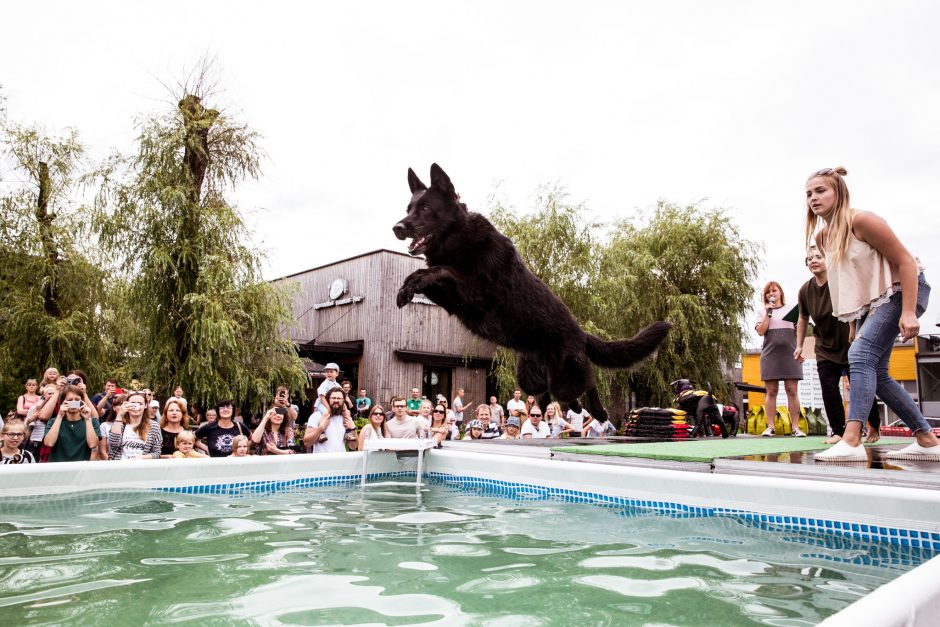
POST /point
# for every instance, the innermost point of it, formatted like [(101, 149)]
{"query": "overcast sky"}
[(625, 103)]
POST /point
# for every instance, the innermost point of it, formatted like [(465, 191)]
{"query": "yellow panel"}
[(902, 365), (750, 373)]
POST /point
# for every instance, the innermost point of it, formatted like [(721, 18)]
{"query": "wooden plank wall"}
[(382, 326)]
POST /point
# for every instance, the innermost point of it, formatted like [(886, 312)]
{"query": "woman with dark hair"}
[(274, 435), (776, 359), (439, 430), (218, 434)]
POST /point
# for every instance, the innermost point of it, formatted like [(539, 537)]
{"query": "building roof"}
[(339, 261)]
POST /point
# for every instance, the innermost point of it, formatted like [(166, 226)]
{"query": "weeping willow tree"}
[(690, 266), (687, 265), (55, 299), (206, 320), (558, 245)]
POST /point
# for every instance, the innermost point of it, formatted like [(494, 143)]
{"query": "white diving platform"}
[(395, 445)]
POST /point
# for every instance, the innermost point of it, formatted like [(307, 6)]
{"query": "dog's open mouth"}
[(419, 244)]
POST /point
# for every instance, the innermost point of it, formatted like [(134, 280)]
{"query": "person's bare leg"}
[(853, 433), (791, 387), (770, 402)]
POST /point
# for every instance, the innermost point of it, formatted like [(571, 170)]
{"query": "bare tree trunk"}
[(49, 250), (197, 121)]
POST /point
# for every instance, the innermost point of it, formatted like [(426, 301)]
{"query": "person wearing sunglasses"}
[(375, 428), (879, 288), (439, 429), (534, 428)]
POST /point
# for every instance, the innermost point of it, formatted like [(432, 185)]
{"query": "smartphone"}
[(118, 391), (73, 404)]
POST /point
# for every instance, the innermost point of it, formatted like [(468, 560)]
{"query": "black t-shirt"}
[(169, 442), (219, 439), (832, 336)]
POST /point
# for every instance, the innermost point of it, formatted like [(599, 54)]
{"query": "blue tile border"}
[(526, 491)]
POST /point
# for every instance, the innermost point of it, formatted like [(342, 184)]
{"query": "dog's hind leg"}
[(595, 406), (569, 376), (531, 374)]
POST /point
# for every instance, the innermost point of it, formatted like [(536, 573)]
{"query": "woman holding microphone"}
[(776, 359)]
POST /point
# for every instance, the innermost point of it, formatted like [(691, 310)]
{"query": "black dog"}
[(475, 273)]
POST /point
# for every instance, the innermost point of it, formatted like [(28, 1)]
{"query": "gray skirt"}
[(776, 356)]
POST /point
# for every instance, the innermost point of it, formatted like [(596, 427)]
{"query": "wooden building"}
[(346, 313)]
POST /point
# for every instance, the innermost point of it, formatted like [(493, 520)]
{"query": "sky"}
[(730, 104)]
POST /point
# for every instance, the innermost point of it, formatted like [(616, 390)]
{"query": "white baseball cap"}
[(155, 403), (331, 366)]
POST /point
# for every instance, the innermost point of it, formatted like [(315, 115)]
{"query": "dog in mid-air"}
[(475, 273)]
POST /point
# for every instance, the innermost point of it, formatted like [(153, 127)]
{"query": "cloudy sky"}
[(625, 103)]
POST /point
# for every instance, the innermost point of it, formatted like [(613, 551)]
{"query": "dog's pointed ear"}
[(441, 182), (414, 182)]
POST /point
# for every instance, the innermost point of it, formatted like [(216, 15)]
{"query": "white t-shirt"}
[(539, 433), (323, 390), (517, 405), (132, 447), (407, 428), (577, 420), (559, 425), (458, 409), (596, 429), (334, 434)]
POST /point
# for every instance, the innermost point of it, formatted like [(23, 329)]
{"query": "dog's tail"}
[(625, 353)]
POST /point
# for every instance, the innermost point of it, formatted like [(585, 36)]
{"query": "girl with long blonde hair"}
[(879, 288)]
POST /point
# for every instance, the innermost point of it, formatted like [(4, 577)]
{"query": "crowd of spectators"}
[(56, 420)]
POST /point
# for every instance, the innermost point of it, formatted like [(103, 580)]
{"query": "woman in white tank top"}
[(879, 287)]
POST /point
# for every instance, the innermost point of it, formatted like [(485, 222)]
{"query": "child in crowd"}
[(240, 446), (185, 441), (330, 371), (11, 436)]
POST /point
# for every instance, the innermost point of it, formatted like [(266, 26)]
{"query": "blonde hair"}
[(185, 436), (556, 407), (839, 221), (238, 439), (12, 422), (184, 422)]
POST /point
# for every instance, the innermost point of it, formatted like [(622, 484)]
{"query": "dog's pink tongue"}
[(417, 242)]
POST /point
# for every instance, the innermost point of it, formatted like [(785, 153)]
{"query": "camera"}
[(73, 380), (73, 404), (281, 410)]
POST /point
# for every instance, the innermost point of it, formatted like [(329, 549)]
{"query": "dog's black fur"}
[(475, 273)]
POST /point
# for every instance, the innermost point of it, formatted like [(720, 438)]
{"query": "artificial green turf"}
[(708, 449)]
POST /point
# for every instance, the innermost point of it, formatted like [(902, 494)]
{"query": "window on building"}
[(437, 380)]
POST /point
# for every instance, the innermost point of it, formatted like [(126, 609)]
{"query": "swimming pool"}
[(639, 544)]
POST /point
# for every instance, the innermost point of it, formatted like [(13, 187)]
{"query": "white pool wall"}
[(912, 599)]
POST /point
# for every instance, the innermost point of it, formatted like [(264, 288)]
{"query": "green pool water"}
[(342, 556)]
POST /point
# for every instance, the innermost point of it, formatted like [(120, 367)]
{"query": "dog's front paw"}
[(405, 294)]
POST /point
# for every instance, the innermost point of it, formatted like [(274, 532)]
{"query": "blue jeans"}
[(868, 360)]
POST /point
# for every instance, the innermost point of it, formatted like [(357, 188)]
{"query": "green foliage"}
[(207, 320), (55, 305), (688, 265), (559, 247)]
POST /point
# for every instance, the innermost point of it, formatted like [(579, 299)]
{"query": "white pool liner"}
[(909, 516)]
